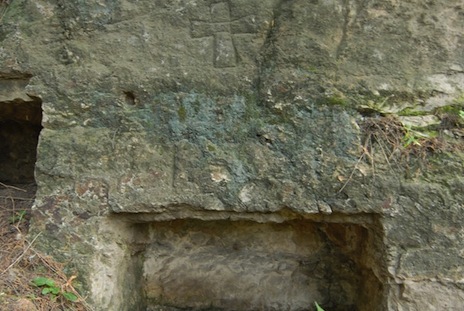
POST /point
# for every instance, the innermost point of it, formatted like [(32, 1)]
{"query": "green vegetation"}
[(453, 109), (211, 148), (413, 137), (17, 217), (49, 287), (20, 261), (459, 100), (335, 101), (182, 113), (412, 126), (411, 112), (451, 116), (252, 111), (318, 307)]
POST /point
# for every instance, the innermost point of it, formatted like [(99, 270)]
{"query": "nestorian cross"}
[(221, 27)]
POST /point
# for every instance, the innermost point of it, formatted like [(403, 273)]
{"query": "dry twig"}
[(22, 254)]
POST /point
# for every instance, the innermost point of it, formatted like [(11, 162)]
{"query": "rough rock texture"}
[(211, 154), (258, 266)]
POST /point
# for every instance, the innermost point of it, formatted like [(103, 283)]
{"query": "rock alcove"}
[(191, 264), (20, 126)]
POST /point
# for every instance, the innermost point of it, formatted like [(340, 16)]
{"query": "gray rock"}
[(211, 155)]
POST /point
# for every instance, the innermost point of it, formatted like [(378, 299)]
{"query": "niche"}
[(243, 265), (20, 126)]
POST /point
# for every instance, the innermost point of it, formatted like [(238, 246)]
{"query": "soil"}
[(20, 262)]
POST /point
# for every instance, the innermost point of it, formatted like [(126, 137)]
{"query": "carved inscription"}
[(220, 24)]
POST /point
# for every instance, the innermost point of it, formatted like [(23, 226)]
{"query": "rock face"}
[(242, 155), (258, 266)]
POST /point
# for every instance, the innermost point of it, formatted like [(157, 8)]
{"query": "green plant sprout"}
[(17, 217), (412, 137), (318, 307), (49, 287)]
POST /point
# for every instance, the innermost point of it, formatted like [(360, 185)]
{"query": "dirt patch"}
[(20, 262)]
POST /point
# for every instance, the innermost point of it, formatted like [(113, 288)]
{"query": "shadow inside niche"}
[(20, 126), (243, 265)]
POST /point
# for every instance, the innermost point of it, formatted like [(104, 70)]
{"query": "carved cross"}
[(222, 28)]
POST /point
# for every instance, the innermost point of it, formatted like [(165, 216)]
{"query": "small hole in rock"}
[(131, 99)]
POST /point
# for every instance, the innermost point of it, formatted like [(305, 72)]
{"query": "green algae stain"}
[(412, 112), (335, 101), (182, 113)]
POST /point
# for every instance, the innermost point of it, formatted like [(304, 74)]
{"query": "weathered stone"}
[(246, 266), (209, 153)]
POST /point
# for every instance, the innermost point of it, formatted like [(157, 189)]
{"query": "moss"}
[(459, 101), (252, 111), (453, 109), (411, 112), (451, 116), (182, 113), (334, 101), (211, 148)]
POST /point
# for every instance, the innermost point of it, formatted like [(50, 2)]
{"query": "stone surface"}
[(169, 123), (249, 266)]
